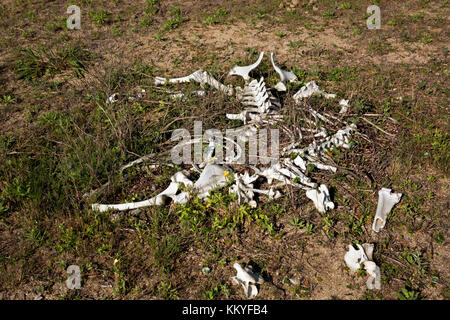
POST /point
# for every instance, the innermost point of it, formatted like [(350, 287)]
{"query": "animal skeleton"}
[(261, 107)]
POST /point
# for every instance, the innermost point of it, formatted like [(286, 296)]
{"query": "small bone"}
[(344, 106), (321, 198), (386, 201), (244, 71), (354, 258), (310, 89), (248, 279), (212, 177), (113, 98)]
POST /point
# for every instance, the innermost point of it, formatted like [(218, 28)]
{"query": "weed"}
[(408, 294), (175, 21), (167, 291), (302, 224), (8, 99), (217, 291), (100, 17), (218, 17), (35, 64)]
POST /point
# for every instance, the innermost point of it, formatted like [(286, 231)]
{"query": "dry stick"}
[(395, 260), (379, 115), (407, 118), (389, 134)]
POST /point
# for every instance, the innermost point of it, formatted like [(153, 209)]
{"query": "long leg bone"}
[(199, 76)]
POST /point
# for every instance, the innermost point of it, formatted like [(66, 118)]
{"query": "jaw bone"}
[(284, 76), (244, 71)]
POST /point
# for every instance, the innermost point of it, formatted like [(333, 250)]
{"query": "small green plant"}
[(417, 16), (329, 13), (100, 17), (218, 17), (7, 99), (167, 291), (345, 5), (300, 291), (297, 44), (175, 21), (408, 294), (217, 291), (426, 38), (302, 224)]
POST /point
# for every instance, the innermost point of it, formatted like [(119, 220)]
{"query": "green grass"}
[(100, 17), (219, 16), (175, 21), (32, 64)]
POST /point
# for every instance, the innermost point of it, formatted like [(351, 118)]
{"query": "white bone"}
[(386, 201), (363, 255), (299, 162), (321, 198), (353, 257), (344, 106), (248, 279), (284, 75), (199, 76), (212, 177), (113, 98), (244, 71), (158, 200), (310, 89)]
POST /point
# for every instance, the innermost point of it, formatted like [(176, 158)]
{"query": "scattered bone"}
[(344, 106), (321, 198), (354, 258), (212, 177), (386, 201), (310, 89), (113, 98), (199, 76), (248, 279), (261, 108), (183, 96), (244, 71)]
